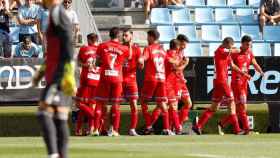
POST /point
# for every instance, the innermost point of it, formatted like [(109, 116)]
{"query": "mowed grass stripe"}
[(208, 146)]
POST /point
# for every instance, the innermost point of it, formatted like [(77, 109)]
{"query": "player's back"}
[(112, 55), (222, 61), (155, 63)]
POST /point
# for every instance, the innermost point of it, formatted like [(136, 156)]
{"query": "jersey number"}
[(112, 61)]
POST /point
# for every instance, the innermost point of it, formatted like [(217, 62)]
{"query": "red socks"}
[(165, 119), (232, 119), (204, 118), (242, 115), (116, 116), (173, 116), (184, 114), (88, 111), (134, 117), (79, 123), (146, 114), (98, 114), (155, 115)]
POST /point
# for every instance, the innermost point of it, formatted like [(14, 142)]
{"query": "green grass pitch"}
[(206, 146)]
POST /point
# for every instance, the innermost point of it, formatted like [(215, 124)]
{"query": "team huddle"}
[(108, 75)]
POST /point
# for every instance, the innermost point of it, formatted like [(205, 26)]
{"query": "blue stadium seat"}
[(212, 48), (216, 3), (195, 3), (14, 31), (13, 50), (231, 31), (210, 33), (189, 31), (204, 15), (224, 16), (261, 49), (237, 3), (167, 33), (193, 50), (251, 30), (254, 3), (271, 33), (277, 49), (245, 16), (181, 16), (160, 16)]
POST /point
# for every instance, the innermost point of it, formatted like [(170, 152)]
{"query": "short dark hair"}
[(114, 32), (92, 36), (246, 38), (154, 33), (183, 38), (174, 43), (128, 30), (26, 38), (228, 40)]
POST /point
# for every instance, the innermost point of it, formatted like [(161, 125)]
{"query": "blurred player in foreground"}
[(58, 71)]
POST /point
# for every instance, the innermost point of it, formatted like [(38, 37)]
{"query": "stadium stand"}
[(271, 33), (212, 48), (216, 3), (254, 3), (237, 3), (277, 49), (160, 16), (181, 16), (253, 31), (210, 33), (189, 31), (194, 50), (166, 33), (204, 15), (231, 31), (261, 49), (224, 16), (246, 16), (195, 3)]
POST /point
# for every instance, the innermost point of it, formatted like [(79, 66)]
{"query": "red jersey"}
[(112, 55), (155, 63), (89, 76), (169, 67), (243, 60), (222, 62), (130, 65)]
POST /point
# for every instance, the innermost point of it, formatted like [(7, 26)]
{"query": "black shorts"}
[(52, 95)]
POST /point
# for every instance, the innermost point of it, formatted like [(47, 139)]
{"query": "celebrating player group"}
[(108, 76)]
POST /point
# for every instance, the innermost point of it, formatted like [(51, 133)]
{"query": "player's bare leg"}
[(134, 117)]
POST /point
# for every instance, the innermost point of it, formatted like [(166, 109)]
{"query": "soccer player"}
[(111, 56), (130, 89), (172, 63), (239, 83), (183, 91), (154, 83), (60, 83), (222, 90), (89, 79)]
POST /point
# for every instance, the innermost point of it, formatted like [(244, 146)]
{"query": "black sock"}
[(62, 134), (49, 131)]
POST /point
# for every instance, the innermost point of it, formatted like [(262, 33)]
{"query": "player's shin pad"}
[(68, 83)]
